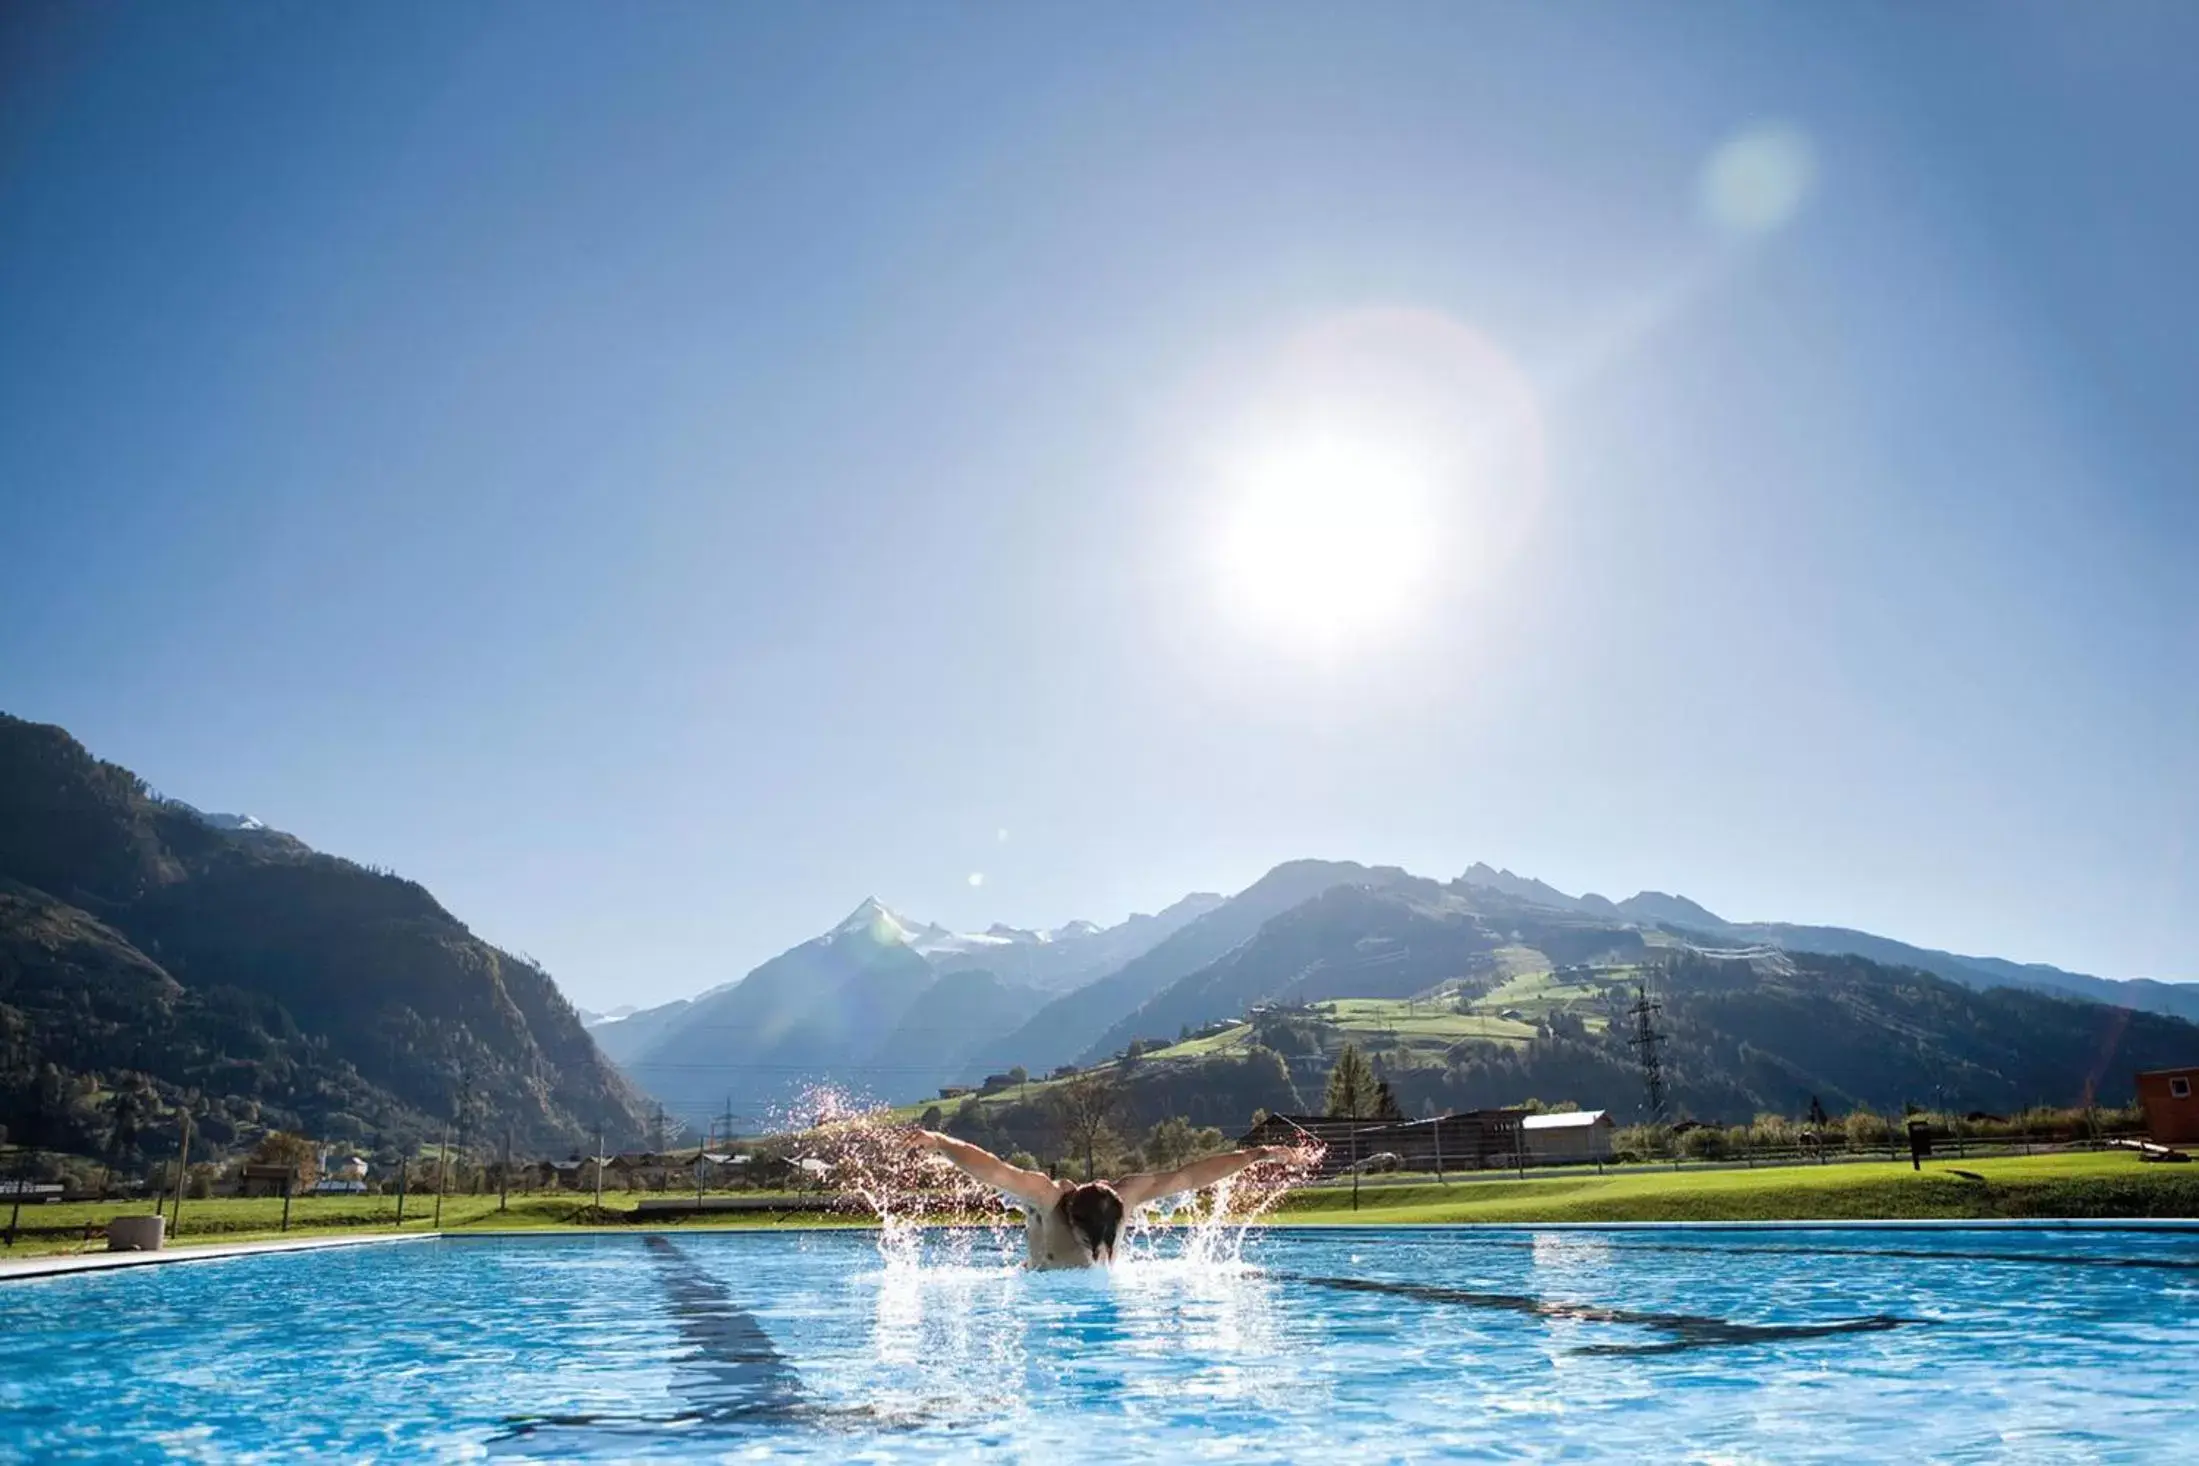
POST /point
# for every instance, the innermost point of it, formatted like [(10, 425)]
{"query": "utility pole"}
[(1645, 1045), (442, 1174), (15, 1214), (463, 1109), (599, 1168), (504, 1177), (656, 1140), (183, 1168)]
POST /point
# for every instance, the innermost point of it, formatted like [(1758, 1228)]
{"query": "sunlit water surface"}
[(1666, 1345)]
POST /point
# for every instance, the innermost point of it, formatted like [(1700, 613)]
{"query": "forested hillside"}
[(150, 961), (1739, 1035)]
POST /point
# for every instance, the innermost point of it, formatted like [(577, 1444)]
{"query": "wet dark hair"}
[(1094, 1213)]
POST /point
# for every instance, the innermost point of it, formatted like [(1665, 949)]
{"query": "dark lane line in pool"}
[(741, 1376), (1689, 1330), (736, 1378), (1906, 1254)]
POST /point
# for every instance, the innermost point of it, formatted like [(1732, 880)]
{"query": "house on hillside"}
[(255, 1179), (342, 1175), (559, 1175), (1563, 1139), (2171, 1100), (1469, 1140)]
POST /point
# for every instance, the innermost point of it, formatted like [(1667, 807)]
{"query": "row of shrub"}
[(1865, 1131)]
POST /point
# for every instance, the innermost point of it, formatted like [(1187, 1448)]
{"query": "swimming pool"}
[(1367, 1345)]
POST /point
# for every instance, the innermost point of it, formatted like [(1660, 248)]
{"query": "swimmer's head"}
[(1094, 1214)]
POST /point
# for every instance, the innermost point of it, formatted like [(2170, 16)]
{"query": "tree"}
[(1351, 1092), (1176, 1140), (1385, 1103), (1084, 1111), (931, 1119), (1019, 1075), (281, 1148), (969, 1120)]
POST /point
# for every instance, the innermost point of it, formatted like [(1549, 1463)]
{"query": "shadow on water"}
[(1688, 1331), (732, 1380)]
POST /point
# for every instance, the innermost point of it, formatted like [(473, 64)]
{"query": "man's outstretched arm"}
[(1147, 1186), (1035, 1187)]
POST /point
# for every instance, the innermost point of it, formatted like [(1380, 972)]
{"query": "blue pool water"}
[(1666, 1345)]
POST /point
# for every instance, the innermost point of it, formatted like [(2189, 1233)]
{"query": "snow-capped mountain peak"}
[(881, 923), (219, 821), (877, 921)]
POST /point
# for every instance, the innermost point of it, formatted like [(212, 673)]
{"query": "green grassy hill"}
[(1743, 1035)]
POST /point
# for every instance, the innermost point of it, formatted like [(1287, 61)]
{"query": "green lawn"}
[(1438, 1023), (61, 1228), (2106, 1184), (2101, 1185), (1538, 993)]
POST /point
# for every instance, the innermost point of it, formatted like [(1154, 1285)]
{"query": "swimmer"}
[(1076, 1225)]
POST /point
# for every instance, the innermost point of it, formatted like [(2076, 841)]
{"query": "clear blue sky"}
[(658, 474)]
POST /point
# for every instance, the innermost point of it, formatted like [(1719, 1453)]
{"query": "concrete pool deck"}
[(98, 1262)]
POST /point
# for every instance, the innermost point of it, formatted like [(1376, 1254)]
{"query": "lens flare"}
[(1758, 180)]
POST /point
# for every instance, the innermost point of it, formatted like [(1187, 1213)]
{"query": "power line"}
[(1645, 1043)]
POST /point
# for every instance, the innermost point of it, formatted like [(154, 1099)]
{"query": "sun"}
[(1327, 539)]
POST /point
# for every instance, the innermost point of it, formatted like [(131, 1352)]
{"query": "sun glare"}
[(1356, 480), (1326, 539)]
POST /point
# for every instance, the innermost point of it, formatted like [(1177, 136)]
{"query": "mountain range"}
[(880, 1004), (154, 958), (935, 1010)]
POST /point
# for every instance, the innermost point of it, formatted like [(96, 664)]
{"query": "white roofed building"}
[(1576, 1135)]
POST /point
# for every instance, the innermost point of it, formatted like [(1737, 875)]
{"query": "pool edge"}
[(30, 1268), (25, 1268)]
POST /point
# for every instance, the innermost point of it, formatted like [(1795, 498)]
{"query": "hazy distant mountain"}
[(1522, 888), (2181, 999), (681, 1051), (625, 1036), (1072, 955), (1068, 1026), (1656, 908), (949, 1023), (817, 1013), (150, 951)]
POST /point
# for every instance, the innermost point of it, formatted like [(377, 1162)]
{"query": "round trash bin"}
[(136, 1234)]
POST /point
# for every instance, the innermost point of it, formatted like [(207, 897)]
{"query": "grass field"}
[(62, 1227), (2104, 1184), (2095, 1185)]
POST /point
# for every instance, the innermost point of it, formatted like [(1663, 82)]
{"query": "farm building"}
[(1466, 1141), (2171, 1100), (1578, 1135)]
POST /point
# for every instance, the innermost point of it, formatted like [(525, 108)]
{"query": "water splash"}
[(872, 1162), (1215, 1224)]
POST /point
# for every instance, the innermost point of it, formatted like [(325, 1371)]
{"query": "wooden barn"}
[(1468, 1140)]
